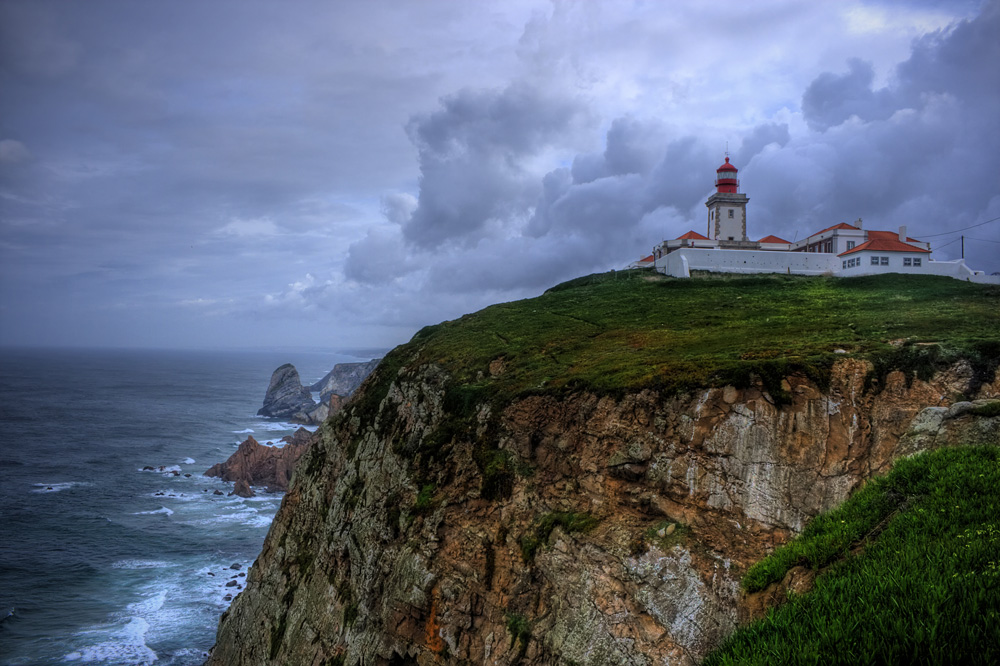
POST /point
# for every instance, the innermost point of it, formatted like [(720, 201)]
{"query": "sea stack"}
[(255, 464), (286, 397)]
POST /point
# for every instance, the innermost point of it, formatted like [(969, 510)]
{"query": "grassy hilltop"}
[(631, 330), (910, 564)]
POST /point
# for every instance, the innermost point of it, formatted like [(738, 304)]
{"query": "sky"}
[(338, 174)]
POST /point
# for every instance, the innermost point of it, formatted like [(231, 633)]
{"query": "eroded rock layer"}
[(578, 529)]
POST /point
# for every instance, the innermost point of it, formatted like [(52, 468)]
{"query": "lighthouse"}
[(727, 207)]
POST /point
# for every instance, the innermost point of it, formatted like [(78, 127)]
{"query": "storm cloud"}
[(252, 173)]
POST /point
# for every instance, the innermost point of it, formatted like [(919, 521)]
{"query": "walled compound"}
[(841, 250)]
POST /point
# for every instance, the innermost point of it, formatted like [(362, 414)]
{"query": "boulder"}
[(286, 397), (243, 489)]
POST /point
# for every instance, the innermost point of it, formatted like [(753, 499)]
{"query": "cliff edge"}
[(506, 490)]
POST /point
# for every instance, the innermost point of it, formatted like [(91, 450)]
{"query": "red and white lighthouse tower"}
[(727, 208)]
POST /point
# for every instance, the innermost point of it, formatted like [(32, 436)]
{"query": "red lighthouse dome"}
[(725, 178)]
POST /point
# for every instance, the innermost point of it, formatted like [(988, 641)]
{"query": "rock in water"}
[(243, 489), (286, 397), (257, 465)]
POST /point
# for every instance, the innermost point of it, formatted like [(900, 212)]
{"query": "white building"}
[(842, 250)]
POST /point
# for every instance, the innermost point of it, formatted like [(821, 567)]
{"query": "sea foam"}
[(164, 510), (57, 487), (140, 564), (126, 645)]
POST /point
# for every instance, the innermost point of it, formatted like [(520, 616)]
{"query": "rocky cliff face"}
[(425, 526), (343, 379)]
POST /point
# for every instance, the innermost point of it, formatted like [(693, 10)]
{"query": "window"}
[(850, 245), (885, 261), (907, 261), (730, 212), (845, 263), (916, 261), (874, 261)]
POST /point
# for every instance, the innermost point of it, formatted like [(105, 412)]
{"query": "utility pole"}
[(963, 246)]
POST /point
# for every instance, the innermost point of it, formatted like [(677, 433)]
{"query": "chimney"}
[(902, 234), (858, 224)]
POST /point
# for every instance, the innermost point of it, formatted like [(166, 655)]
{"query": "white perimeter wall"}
[(953, 269), (681, 262)]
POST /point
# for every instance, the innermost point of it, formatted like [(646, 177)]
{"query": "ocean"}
[(101, 560)]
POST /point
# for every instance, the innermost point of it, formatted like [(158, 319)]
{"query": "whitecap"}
[(57, 487), (248, 518), (172, 470), (125, 646), (243, 432), (150, 604), (140, 564), (284, 425), (189, 461), (164, 510), (168, 494)]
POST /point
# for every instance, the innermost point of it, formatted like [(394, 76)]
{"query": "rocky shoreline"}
[(270, 467)]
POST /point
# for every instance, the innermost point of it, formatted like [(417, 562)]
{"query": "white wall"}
[(681, 262), (730, 227), (954, 269)]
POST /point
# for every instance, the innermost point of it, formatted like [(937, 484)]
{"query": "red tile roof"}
[(884, 245), (692, 235), (842, 225), (872, 235), (772, 239), (647, 260)]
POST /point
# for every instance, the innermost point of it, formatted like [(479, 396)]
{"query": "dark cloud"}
[(238, 172), (761, 137), (474, 156), (922, 151), (831, 99)]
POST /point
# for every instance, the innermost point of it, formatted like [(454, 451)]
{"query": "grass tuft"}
[(570, 522), (988, 410)]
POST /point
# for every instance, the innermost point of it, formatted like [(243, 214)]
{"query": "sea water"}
[(102, 560)]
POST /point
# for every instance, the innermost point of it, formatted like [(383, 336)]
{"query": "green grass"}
[(989, 409), (426, 501), (632, 330), (572, 523), (924, 588)]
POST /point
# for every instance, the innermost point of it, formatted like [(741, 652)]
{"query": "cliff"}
[(503, 491), (343, 379)]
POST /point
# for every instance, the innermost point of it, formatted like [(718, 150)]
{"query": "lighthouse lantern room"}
[(727, 207)]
